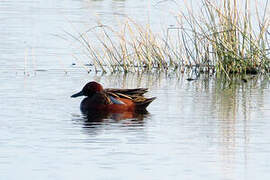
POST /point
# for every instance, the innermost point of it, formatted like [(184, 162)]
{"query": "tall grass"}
[(225, 36), (233, 40)]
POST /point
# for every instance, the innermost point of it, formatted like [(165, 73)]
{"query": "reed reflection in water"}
[(238, 107)]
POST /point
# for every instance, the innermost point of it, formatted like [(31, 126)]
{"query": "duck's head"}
[(89, 89)]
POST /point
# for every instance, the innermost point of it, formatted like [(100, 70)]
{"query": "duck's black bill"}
[(77, 94)]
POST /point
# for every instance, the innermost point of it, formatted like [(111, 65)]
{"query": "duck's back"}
[(128, 92)]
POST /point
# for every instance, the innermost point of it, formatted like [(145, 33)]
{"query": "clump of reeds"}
[(222, 35), (234, 40)]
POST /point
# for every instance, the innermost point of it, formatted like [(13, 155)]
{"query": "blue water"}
[(203, 129)]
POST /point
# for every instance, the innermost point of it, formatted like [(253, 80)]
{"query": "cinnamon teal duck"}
[(112, 100)]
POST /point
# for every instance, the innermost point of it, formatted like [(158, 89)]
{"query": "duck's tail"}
[(142, 103)]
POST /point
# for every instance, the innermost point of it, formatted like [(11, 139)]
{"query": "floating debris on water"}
[(244, 80), (190, 79), (41, 70)]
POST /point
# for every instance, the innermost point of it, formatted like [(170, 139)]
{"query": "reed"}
[(223, 37)]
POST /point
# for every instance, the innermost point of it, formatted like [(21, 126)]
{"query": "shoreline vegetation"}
[(224, 37)]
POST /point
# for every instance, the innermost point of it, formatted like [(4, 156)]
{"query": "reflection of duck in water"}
[(93, 116), (106, 101), (94, 122)]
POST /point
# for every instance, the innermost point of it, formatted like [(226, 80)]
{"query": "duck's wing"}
[(114, 98), (136, 95), (118, 95), (128, 92)]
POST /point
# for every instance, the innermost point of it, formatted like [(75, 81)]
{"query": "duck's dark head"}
[(89, 89)]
